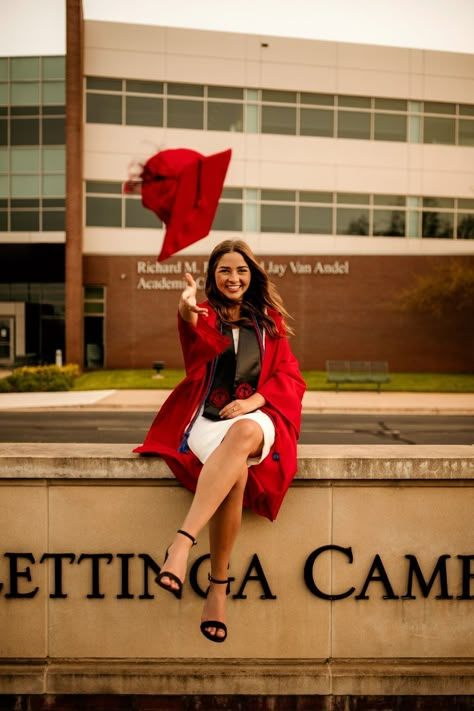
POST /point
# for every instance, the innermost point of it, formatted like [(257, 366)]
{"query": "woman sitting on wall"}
[(229, 430)]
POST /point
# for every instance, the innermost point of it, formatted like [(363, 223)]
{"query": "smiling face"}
[(232, 276)]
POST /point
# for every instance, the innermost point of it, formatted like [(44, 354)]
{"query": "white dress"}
[(207, 434)]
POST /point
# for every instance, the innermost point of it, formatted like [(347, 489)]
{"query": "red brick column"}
[(74, 172)]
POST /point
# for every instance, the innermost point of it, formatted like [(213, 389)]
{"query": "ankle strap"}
[(219, 582), (188, 535)]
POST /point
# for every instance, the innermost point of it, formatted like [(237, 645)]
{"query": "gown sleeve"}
[(200, 343)]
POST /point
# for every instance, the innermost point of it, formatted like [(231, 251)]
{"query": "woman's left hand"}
[(234, 409), (242, 407)]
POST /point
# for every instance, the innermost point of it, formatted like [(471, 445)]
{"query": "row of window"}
[(45, 293), (253, 210), (33, 130), (31, 93), (300, 212), (32, 144), (32, 172), (32, 68), (221, 108), (32, 101), (53, 294), (94, 300), (32, 216)]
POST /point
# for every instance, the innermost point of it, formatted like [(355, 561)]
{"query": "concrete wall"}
[(348, 619)]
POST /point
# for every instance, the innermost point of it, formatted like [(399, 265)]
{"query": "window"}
[(104, 108), (103, 84), (224, 117), (143, 87), (315, 220), (25, 67), (277, 218), (438, 130), (228, 217), (3, 132), (389, 223), (437, 224), (465, 225), (54, 93), (352, 221), (54, 159), (183, 113), (24, 132), (24, 186), (143, 111), (25, 93), (99, 186), (94, 319), (103, 212), (279, 119), (54, 131), (316, 122), (53, 220), (466, 132), (54, 185), (225, 92), (175, 89), (390, 127), (54, 68), (25, 160), (317, 99), (356, 102), (3, 68), (138, 216), (353, 124), (24, 220)]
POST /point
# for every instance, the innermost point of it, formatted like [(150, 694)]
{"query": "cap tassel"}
[(184, 447)]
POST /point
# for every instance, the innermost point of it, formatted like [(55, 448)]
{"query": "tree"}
[(449, 289)]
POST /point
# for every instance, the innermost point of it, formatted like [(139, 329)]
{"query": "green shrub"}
[(41, 378)]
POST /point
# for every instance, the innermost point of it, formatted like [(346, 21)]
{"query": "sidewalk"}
[(314, 401)]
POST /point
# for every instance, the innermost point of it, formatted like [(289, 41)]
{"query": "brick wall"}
[(343, 308)]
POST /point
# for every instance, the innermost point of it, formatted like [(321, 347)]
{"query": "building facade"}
[(351, 178)]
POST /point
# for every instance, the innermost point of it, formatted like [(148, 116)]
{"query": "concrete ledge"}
[(318, 462), (368, 572), (391, 677)]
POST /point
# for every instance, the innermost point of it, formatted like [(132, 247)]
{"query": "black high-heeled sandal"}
[(216, 623), (177, 592)]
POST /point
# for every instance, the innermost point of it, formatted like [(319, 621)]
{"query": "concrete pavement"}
[(314, 401)]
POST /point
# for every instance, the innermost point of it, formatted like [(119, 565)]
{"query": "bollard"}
[(59, 357)]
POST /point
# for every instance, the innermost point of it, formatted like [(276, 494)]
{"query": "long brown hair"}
[(259, 297)]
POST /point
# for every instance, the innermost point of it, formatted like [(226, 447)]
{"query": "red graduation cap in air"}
[(182, 187)]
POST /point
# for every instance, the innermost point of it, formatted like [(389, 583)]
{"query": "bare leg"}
[(223, 529), (218, 477)]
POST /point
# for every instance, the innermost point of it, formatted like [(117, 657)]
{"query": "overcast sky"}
[(34, 27)]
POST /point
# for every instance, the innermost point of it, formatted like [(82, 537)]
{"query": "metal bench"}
[(359, 371)]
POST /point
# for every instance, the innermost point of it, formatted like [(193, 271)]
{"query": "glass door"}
[(6, 340)]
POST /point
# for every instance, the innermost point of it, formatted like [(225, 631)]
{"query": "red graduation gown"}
[(281, 385)]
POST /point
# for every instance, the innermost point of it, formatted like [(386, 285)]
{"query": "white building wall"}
[(277, 161)]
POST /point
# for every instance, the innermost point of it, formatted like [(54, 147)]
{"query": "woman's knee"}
[(246, 434)]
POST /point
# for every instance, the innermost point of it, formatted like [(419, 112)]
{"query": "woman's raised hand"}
[(187, 303)]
